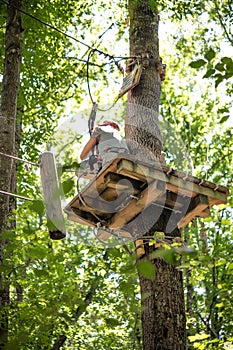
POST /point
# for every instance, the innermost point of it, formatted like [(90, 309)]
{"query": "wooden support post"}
[(159, 245), (139, 247), (51, 191)]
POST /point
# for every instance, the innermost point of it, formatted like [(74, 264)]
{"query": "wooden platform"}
[(126, 187)]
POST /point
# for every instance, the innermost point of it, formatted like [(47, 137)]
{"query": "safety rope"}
[(91, 52), (21, 160), (83, 201)]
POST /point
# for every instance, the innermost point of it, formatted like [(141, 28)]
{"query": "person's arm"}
[(88, 147)]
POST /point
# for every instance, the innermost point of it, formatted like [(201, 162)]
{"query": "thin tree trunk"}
[(163, 307), (8, 107)]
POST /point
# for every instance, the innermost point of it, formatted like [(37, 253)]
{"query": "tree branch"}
[(223, 25)]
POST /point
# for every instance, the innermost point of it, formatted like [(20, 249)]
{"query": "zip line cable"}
[(90, 63), (61, 31), (92, 49), (46, 23)]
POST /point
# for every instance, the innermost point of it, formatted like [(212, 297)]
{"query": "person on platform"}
[(107, 140)]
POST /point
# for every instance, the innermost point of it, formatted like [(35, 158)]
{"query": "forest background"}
[(78, 293)]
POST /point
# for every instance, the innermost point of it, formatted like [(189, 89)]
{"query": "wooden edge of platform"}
[(173, 172), (174, 183), (103, 235)]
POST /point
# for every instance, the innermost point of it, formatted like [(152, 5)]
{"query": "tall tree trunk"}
[(163, 307), (8, 108)]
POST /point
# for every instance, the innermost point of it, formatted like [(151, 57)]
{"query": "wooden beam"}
[(96, 205), (205, 213), (139, 243), (197, 205), (121, 182), (149, 195), (108, 198)]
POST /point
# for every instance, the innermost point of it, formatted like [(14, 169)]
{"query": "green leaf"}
[(229, 66), (114, 252), (68, 185), (219, 79), (36, 252), (224, 119), (209, 55), (226, 60), (197, 64), (209, 72), (196, 337), (146, 269), (220, 67), (112, 322), (37, 206)]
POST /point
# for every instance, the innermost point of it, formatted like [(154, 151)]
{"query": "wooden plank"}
[(90, 219), (177, 173), (173, 200), (131, 169), (150, 194), (103, 235), (196, 207), (96, 205), (174, 184), (191, 189), (121, 182), (205, 213), (131, 80), (110, 200), (51, 191), (98, 182), (216, 201)]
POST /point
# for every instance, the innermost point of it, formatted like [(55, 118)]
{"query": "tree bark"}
[(8, 108), (162, 297), (163, 319)]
